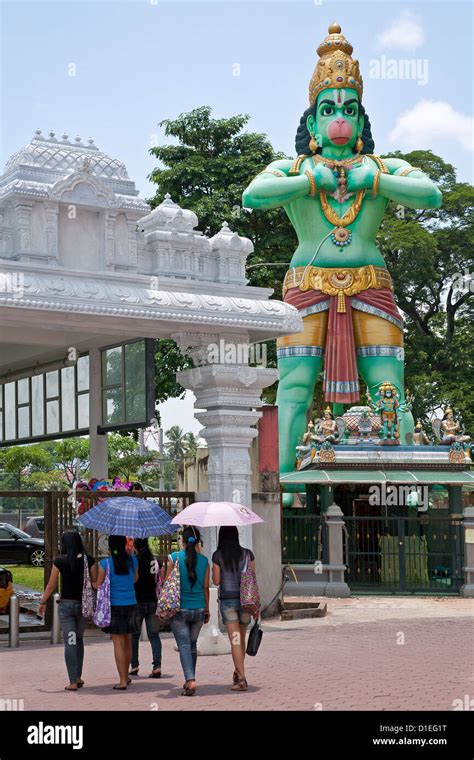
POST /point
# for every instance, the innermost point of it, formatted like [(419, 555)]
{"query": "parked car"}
[(17, 547), (34, 526)]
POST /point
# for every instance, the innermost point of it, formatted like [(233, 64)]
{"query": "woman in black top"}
[(69, 566), (227, 564), (149, 569)]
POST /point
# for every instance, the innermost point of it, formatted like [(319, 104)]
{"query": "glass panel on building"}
[(10, 411), (68, 399), (112, 366), (37, 405), (23, 422), (52, 384), (135, 382), (83, 411), (52, 417), (83, 374), (113, 406), (23, 391)]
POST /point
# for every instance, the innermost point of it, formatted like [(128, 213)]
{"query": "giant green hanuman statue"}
[(335, 193)]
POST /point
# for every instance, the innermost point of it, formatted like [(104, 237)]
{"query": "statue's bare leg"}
[(298, 377), (300, 360)]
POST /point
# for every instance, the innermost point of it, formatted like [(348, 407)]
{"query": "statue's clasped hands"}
[(325, 178), (360, 177)]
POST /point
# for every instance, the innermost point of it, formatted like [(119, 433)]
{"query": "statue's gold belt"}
[(337, 282)]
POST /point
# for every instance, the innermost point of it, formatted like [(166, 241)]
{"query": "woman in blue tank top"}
[(187, 623)]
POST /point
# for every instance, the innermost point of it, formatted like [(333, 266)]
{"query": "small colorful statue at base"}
[(419, 436), (328, 429), (388, 405), (449, 430)]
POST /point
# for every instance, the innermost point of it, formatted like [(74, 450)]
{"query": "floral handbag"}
[(88, 593), (169, 602), (249, 593), (103, 613)]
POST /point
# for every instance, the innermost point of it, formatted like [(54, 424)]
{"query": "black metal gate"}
[(410, 554)]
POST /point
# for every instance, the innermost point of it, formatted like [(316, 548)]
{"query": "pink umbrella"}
[(208, 514)]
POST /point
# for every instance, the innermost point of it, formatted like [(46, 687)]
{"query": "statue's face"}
[(388, 393), (337, 120)]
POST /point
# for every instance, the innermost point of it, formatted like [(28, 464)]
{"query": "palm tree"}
[(176, 444), (191, 443)]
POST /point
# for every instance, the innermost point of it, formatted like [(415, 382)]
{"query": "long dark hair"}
[(144, 554), (229, 547), (71, 546), (191, 536), (303, 137), (121, 559)]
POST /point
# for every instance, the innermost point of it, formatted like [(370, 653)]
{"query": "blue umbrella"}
[(128, 516)]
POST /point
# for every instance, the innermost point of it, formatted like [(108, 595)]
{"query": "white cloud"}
[(406, 33), (432, 120)]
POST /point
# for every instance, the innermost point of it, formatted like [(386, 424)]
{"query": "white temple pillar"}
[(98, 443), (230, 397)]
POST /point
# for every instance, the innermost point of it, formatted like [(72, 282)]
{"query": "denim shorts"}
[(231, 612)]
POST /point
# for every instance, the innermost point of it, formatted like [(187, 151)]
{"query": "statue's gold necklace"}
[(340, 235)]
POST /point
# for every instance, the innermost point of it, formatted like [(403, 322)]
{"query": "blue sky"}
[(143, 61), (139, 62)]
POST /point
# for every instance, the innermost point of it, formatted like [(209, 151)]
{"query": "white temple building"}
[(85, 268)]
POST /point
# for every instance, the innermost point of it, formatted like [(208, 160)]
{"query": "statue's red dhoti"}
[(347, 314)]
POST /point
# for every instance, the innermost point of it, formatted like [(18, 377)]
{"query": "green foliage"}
[(168, 361), (207, 172), (428, 252), (125, 459), (19, 462)]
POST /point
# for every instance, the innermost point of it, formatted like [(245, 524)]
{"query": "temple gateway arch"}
[(89, 277)]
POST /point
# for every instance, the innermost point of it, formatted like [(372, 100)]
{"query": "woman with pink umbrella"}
[(229, 563)]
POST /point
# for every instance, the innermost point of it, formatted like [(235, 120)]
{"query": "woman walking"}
[(194, 603), (228, 562), (69, 567), (149, 570), (123, 575)]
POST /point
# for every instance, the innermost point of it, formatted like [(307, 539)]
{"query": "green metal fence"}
[(422, 553), (302, 538)]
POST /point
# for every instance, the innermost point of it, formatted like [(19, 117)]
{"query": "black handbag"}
[(254, 640)]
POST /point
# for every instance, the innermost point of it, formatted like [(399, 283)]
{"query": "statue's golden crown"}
[(336, 67)]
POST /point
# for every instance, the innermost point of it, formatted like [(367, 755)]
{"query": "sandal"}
[(119, 688), (188, 691), (80, 684), (133, 672), (241, 685), (155, 673), (71, 687)]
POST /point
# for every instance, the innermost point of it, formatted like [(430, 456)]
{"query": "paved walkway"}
[(367, 654)]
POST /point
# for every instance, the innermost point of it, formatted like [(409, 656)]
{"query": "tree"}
[(125, 459), (175, 447), (191, 443), (18, 462), (70, 455), (429, 254), (207, 172)]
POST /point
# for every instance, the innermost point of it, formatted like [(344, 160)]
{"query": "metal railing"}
[(396, 553), (302, 538)]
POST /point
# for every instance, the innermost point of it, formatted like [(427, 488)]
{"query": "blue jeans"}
[(186, 625), (73, 625), (146, 611)]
